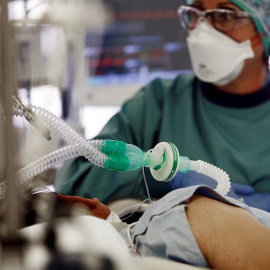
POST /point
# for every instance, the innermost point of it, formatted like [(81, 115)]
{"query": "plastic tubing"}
[(47, 162), (53, 122), (221, 177), (112, 155), (173, 162), (78, 145)]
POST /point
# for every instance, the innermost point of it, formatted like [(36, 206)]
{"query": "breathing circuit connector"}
[(31, 118), (122, 156), (164, 162), (110, 147), (128, 157), (119, 148), (173, 163)]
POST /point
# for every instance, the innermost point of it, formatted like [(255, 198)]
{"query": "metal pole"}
[(10, 250)]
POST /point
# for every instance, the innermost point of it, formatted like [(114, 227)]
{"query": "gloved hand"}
[(250, 197), (191, 178), (237, 191)]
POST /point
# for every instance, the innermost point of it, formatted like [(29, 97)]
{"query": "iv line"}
[(146, 186)]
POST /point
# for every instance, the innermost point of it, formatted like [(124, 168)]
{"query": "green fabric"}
[(236, 140)]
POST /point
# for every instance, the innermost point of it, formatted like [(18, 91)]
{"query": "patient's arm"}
[(229, 237)]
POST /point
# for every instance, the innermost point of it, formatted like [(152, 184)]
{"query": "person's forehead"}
[(211, 2)]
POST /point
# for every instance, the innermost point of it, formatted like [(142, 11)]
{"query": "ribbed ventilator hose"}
[(47, 162), (221, 177), (78, 145)]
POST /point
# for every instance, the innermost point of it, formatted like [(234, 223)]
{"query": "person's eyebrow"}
[(198, 4), (227, 4)]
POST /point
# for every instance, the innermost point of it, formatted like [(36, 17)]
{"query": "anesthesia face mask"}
[(215, 57)]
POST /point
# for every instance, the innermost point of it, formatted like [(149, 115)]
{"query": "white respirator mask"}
[(215, 57)]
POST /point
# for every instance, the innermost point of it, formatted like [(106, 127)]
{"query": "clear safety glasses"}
[(223, 20)]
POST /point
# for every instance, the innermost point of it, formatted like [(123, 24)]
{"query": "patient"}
[(197, 226), (41, 207)]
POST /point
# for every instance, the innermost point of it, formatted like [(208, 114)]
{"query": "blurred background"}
[(143, 41)]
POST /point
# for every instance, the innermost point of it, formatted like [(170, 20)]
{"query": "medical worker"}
[(220, 114)]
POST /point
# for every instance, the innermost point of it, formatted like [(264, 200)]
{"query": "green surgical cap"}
[(260, 13)]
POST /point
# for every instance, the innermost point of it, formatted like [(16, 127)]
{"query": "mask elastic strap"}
[(257, 40)]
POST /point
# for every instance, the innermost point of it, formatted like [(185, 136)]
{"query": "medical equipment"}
[(209, 47), (15, 251), (164, 160), (137, 47)]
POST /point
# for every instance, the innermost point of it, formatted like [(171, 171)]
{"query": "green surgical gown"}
[(177, 111)]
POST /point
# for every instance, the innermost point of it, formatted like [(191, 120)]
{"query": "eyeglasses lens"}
[(221, 20), (190, 18), (224, 21)]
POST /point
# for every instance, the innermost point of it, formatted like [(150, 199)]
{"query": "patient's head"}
[(45, 206), (92, 206)]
